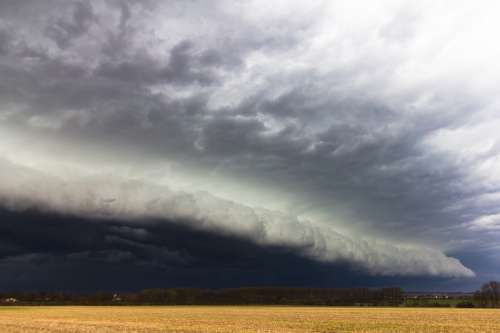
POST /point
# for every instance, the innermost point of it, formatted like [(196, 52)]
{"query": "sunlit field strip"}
[(245, 319)]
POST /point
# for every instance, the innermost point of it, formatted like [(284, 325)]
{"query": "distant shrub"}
[(427, 305), (465, 304)]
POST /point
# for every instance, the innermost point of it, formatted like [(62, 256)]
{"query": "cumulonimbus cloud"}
[(378, 120), (104, 197)]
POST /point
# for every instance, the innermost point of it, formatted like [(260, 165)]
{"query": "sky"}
[(248, 143)]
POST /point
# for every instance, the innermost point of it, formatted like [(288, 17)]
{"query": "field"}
[(245, 319)]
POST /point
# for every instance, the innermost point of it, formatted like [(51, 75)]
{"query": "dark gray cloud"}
[(65, 31), (5, 41), (182, 68), (112, 197), (369, 131), (77, 255)]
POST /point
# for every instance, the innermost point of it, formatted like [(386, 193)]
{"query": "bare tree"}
[(490, 293)]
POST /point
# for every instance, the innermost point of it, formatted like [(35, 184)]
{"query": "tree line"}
[(488, 295), (237, 296)]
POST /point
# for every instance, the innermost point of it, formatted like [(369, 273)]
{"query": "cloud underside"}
[(110, 198), (342, 134)]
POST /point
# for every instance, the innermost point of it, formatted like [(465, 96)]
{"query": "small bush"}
[(465, 304)]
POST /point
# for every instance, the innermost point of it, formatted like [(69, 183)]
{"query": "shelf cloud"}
[(353, 133), (117, 199)]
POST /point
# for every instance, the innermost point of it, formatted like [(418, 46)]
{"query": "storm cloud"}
[(116, 199), (352, 135)]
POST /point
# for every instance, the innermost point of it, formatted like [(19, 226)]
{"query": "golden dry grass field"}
[(235, 319)]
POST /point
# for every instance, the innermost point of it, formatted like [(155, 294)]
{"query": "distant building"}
[(10, 300)]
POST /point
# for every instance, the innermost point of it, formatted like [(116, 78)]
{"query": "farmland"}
[(223, 319)]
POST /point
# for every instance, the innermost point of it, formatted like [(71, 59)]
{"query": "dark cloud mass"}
[(77, 254), (168, 141)]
